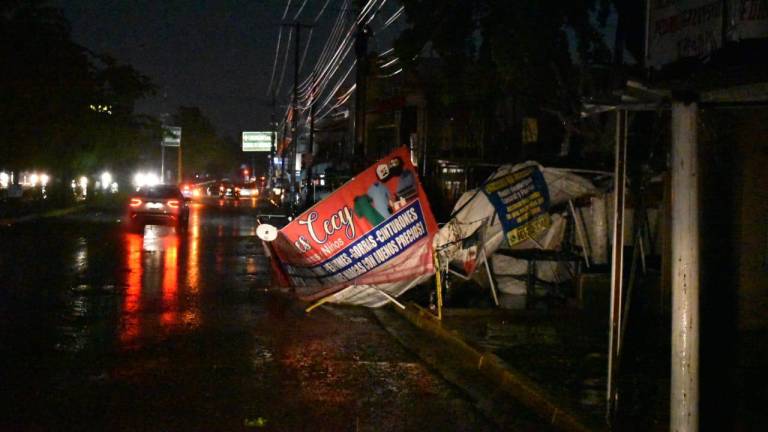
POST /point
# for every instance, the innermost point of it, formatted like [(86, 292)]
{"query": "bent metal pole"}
[(617, 262), (684, 392)]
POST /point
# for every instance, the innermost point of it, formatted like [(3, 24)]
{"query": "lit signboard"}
[(257, 141), (171, 136)]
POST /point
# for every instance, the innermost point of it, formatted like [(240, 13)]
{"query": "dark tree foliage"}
[(64, 108), (537, 55), (204, 152)]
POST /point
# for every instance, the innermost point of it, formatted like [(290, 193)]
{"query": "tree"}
[(203, 152), (535, 53), (68, 108)]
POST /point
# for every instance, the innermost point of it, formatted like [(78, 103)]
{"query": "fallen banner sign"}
[(375, 229)]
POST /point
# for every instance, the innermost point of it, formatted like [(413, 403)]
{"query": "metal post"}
[(178, 175), (273, 129), (617, 261), (162, 163), (684, 392)]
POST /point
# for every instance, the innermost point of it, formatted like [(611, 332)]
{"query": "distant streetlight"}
[(106, 180)]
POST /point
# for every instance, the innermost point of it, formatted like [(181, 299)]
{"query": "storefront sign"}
[(681, 29)]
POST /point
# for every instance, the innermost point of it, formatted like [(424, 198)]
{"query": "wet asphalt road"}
[(104, 329)]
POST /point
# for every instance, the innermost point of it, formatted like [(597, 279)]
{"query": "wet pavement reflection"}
[(108, 329)]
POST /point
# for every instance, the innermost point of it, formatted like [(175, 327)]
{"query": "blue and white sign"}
[(521, 200)]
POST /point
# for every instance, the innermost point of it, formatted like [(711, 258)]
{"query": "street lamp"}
[(106, 180)]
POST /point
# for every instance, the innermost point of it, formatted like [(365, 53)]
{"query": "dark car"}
[(229, 190), (161, 204)]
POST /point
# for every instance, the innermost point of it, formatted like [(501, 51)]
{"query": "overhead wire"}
[(285, 61), (329, 69), (332, 40), (333, 54), (306, 49), (274, 63), (341, 101), (287, 6), (394, 17), (321, 11), (338, 85), (373, 15), (295, 17)]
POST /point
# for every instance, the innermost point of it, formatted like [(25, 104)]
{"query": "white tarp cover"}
[(476, 215)]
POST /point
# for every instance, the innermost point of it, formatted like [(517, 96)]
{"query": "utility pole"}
[(294, 189), (312, 114), (684, 383), (361, 52), (273, 129), (294, 122), (162, 162), (178, 175)]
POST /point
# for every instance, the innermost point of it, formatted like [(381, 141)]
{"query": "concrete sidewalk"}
[(460, 333)]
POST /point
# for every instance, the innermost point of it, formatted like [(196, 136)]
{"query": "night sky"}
[(215, 54)]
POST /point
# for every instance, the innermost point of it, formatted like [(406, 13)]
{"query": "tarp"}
[(477, 227), (377, 229)]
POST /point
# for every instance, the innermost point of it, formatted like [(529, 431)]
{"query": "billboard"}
[(171, 136), (377, 228), (521, 199), (679, 29), (257, 141), (748, 19)]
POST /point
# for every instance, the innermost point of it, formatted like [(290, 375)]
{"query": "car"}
[(228, 190), (248, 190), (161, 205)]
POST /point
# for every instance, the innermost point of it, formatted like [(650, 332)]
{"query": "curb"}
[(495, 369), (35, 216)]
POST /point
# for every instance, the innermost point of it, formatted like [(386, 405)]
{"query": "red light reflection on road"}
[(129, 328), (191, 314), (170, 315), (154, 261)]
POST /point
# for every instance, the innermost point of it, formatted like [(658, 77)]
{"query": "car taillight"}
[(135, 202), (173, 203)]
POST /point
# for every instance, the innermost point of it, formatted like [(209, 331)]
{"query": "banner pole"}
[(439, 287)]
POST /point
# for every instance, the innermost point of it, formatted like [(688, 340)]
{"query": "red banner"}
[(375, 229)]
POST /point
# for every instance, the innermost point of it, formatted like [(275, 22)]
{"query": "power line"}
[(332, 39), (306, 48), (287, 6), (300, 9), (285, 61), (274, 63), (394, 17), (322, 10)]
